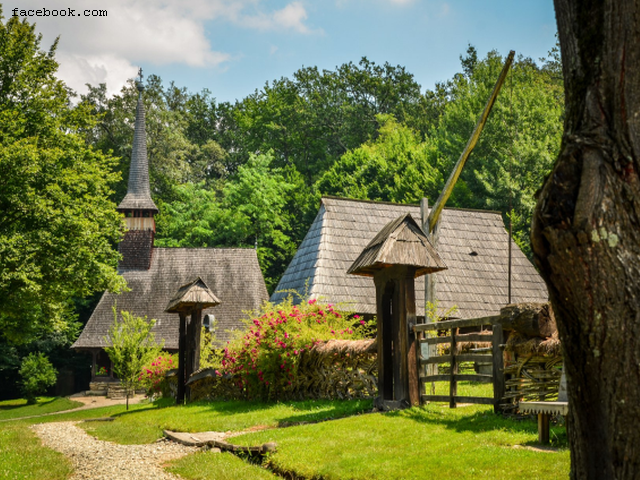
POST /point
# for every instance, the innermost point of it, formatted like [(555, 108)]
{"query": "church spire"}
[(136, 246), (138, 197)]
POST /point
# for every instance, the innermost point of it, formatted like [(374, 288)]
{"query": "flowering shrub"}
[(152, 376), (102, 372), (265, 359)]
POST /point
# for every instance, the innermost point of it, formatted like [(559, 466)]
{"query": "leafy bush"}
[(133, 345), (266, 357), (152, 377), (37, 375)]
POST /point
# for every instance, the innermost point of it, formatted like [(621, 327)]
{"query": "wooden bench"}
[(544, 410)]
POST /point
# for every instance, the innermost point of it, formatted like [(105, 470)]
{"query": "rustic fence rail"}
[(454, 358)]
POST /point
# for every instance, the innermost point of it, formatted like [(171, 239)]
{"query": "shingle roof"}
[(138, 195), (232, 274), (400, 242), (473, 245), (191, 295)]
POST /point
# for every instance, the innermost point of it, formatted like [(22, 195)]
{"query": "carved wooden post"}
[(190, 300), (182, 343), (398, 254)]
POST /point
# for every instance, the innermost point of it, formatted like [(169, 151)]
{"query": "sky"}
[(233, 47)]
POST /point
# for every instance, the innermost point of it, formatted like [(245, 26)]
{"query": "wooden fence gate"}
[(427, 356)]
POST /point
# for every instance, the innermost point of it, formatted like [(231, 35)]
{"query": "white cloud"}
[(108, 49)]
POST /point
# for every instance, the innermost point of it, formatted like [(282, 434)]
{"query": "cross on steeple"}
[(140, 74)]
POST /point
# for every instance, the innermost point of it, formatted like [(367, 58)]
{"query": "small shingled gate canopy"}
[(190, 299), (398, 254), (400, 242), (195, 293)]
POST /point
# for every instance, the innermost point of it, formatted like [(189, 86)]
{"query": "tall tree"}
[(520, 140), (57, 225), (396, 167), (586, 235)]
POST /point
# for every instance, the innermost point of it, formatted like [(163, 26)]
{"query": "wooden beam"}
[(453, 178), (458, 323)]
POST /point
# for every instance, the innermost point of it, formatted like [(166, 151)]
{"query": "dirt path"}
[(95, 459)]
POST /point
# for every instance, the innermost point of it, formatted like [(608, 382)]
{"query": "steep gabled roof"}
[(232, 273), (473, 244)]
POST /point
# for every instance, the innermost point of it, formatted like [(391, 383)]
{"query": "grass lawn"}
[(427, 442), (19, 408), (146, 425)]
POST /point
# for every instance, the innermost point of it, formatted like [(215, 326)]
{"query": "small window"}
[(473, 253)]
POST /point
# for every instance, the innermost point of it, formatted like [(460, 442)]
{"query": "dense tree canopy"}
[(57, 224)]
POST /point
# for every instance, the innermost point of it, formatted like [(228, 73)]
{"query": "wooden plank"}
[(474, 357), (459, 323), (476, 400), (435, 378), (438, 359), (458, 399), (435, 398), (498, 367), (453, 384), (435, 340), (460, 378), (475, 337)]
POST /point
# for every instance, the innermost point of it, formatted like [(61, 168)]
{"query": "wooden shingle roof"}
[(191, 295), (233, 274), (473, 244), (400, 242), (138, 195)]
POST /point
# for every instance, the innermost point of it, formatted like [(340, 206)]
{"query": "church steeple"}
[(137, 245), (138, 195)]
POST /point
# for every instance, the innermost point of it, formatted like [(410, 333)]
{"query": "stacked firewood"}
[(532, 355), (342, 369)]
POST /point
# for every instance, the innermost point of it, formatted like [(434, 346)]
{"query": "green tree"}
[(132, 346), (311, 120), (247, 210), (520, 140), (37, 375), (57, 225), (396, 167)]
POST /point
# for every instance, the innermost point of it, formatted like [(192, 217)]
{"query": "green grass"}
[(18, 408), (427, 442), (217, 466), (22, 456), (146, 425)]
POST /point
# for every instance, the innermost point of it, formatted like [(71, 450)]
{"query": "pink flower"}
[(362, 322), (312, 301), (356, 316)]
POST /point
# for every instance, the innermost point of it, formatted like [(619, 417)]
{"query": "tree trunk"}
[(586, 235)]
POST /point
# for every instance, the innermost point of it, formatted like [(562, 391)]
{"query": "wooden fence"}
[(454, 358)]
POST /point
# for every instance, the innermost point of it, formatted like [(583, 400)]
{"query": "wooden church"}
[(154, 275)]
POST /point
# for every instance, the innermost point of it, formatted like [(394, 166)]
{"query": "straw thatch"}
[(193, 294), (232, 273), (400, 242), (473, 245)]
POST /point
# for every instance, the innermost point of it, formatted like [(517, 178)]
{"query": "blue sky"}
[(233, 47)]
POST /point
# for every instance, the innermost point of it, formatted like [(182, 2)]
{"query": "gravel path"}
[(95, 459)]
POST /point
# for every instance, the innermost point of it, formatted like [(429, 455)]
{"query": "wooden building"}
[(472, 243), (154, 275)]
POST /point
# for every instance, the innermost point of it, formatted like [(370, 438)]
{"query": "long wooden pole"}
[(453, 178)]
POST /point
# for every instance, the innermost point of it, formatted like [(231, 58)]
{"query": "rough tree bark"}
[(586, 234)]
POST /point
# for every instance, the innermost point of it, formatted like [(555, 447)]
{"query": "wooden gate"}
[(492, 355)]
